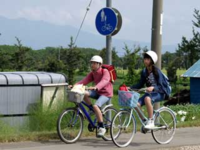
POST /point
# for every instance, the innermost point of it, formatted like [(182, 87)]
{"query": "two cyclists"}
[(151, 76)]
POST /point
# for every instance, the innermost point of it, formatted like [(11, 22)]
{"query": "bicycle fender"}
[(110, 105)]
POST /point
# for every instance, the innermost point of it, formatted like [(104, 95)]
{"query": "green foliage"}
[(172, 69), (187, 115), (44, 119), (20, 58), (53, 65), (4, 60), (116, 61), (72, 59), (197, 17), (189, 50), (130, 60)]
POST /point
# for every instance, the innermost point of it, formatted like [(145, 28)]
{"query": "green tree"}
[(167, 57), (189, 50), (53, 65), (115, 58), (172, 69), (4, 60), (197, 17), (72, 59), (20, 57), (130, 60)]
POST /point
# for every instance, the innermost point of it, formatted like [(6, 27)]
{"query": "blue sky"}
[(137, 16)]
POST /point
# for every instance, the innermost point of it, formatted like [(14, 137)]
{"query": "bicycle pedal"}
[(90, 128), (143, 130), (98, 136)]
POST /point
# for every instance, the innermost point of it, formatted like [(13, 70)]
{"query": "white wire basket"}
[(75, 97)]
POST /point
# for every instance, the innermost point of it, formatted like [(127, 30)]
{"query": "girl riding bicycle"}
[(152, 77)]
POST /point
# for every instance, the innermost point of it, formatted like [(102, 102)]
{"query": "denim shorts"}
[(155, 97), (101, 99)]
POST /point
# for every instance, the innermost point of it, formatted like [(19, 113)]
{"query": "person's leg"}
[(150, 121), (140, 104), (149, 106), (98, 113), (87, 98), (99, 103), (154, 97), (92, 94)]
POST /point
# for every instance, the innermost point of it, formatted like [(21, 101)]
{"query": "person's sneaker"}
[(101, 131), (150, 124)]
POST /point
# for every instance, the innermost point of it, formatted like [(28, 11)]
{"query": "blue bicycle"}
[(71, 121)]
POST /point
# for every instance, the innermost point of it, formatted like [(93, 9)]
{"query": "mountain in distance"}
[(40, 34)]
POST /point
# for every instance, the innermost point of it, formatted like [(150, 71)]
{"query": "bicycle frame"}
[(134, 110), (83, 111), (155, 113)]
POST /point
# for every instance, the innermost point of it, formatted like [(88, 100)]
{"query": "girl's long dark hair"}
[(155, 72)]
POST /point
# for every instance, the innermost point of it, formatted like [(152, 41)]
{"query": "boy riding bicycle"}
[(102, 91)]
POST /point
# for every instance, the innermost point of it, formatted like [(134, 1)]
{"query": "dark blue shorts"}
[(155, 97)]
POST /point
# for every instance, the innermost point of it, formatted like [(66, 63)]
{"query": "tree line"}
[(68, 60)]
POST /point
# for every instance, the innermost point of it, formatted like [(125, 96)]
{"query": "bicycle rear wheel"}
[(70, 125), (107, 121), (123, 128), (166, 122)]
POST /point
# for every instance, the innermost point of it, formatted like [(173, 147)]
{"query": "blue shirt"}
[(150, 80)]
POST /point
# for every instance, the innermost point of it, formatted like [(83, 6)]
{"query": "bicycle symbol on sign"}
[(106, 27)]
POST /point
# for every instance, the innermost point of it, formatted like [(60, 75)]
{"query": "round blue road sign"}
[(106, 21)]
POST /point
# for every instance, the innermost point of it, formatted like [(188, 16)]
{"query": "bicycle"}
[(123, 127), (70, 122)]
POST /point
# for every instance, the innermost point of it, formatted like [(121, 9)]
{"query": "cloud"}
[(60, 17)]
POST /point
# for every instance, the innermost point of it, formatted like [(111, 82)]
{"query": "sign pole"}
[(109, 41), (109, 50)]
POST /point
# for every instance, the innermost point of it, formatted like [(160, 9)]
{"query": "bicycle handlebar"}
[(139, 90)]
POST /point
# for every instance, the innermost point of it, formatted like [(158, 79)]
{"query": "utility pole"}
[(156, 37)]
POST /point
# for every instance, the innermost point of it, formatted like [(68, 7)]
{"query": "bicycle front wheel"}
[(123, 128), (107, 121), (165, 122), (70, 125)]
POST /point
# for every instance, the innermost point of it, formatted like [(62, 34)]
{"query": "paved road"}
[(183, 137)]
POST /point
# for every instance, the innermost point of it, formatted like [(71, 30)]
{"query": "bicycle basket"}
[(75, 97), (128, 98)]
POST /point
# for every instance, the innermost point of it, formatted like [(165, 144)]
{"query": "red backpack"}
[(112, 72)]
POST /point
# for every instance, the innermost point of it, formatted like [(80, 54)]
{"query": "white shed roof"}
[(33, 78)]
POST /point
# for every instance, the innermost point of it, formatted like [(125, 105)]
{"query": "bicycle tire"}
[(165, 119), (107, 122), (123, 133), (70, 125)]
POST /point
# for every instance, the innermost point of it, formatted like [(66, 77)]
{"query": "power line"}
[(87, 9)]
